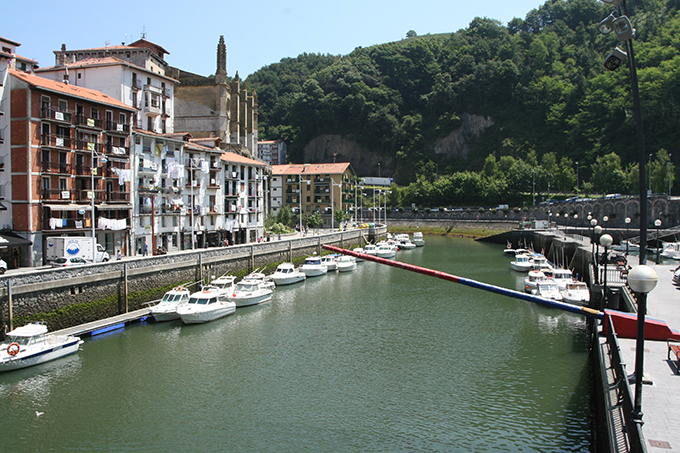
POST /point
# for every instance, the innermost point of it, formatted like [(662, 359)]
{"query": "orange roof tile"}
[(70, 90), (104, 61), (312, 169), (239, 159)]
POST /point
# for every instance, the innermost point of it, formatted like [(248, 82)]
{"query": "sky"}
[(257, 32)]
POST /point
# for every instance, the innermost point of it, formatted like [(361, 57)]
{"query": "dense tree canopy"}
[(541, 80)]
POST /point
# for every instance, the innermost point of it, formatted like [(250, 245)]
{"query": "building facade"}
[(273, 152), (69, 148), (313, 188)]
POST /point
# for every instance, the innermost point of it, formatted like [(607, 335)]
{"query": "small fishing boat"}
[(250, 292), (312, 267), (562, 277), (386, 251), (224, 283), (628, 246), (206, 305), (522, 263), (286, 274), (359, 250), (532, 279), (403, 242), (166, 309), (258, 277), (549, 290), (576, 292), (370, 249), (31, 345), (329, 261), (346, 263), (670, 250), (418, 239)]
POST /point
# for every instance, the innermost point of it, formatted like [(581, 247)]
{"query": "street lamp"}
[(627, 225), (533, 188), (598, 231), (577, 193), (641, 279), (93, 171), (300, 199), (593, 222), (333, 184), (605, 219), (606, 241), (657, 224)]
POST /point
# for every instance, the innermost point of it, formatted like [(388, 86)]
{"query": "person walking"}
[(146, 249)]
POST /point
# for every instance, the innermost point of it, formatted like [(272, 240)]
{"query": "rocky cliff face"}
[(341, 148)]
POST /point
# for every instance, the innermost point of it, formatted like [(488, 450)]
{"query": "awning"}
[(112, 207), (68, 207), (12, 240)]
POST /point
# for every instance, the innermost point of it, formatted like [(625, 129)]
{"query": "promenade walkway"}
[(661, 399)]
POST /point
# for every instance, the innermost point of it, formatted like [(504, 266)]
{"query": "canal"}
[(378, 359)]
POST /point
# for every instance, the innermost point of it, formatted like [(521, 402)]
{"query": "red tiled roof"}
[(312, 169), (70, 90), (239, 159), (104, 61)]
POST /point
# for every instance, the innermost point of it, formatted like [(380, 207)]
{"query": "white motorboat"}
[(549, 290), (258, 277), (330, 261), (370, 249), (286, 274), (312, 267), (532, 279), (359, 250), (403, 242), (346, 263), (562, 277), (541, 261), (670, 250), (386, 251), (576, 293), (522, 263), (224, 283), (31, 345), (166, 309), (418, 239), (250, 292), (206, 305)]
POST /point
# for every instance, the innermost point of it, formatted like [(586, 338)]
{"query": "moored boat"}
[(576, 293), (359, 250), (522, 263), (32, 345), (286, 274), (166, 309), (206, 305), (312, 267), (258, 277), (370, 249), (386, 251), (330, 261), (532, 279), (346, 263), (250, 292), (549, 290), (418, 239)]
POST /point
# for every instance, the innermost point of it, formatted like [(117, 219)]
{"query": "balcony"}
[(113, 197), (231, 195), (83, 195), (117, 150), (56, 115), (56, 195), (55, 141), (92, 123), (66, 224), (83, 145), (231, 175), (55, 167), (112, 126)]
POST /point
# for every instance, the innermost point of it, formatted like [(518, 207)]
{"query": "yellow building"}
[(313, 188)]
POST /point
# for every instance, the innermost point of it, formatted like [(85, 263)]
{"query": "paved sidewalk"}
[(661, 400)]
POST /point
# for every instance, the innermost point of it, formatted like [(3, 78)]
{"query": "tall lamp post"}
[(641, 279), (598, 231), (627, 225), (333, 184), (300, 199), (593, 222), (606, 241), (657, 224), (577, 193)]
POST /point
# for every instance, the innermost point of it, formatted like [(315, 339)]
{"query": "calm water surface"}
[(377, 360)]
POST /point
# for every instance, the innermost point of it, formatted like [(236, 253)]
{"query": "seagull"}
[(38, 414)]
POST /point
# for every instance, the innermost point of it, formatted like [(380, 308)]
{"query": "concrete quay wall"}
[(65, 297)]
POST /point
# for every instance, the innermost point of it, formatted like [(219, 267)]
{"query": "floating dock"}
[(106, 325)]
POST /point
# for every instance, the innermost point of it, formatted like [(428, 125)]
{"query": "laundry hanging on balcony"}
[(111, 224)]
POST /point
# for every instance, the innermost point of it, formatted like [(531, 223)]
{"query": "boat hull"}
[(199, 317), (347, 268), (247, 301), (165, 316), (314, 272), (38, 357), (279, 281)]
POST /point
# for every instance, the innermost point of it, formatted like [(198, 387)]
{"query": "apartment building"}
[(314, 188), (70, 164), (273, 152)]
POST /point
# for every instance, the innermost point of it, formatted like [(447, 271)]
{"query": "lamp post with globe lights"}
[(642, 279), (627, 225), (657, 224), (606, 241), (598, 231)]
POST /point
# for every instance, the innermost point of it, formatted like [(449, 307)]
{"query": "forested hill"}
[(532, 92)]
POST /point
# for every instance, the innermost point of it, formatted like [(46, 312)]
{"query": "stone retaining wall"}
[(65, 297)]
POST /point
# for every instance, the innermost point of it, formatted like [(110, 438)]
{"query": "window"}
[(122, 118), (94, 113), (62, 184), (45, 156), (63, 105)]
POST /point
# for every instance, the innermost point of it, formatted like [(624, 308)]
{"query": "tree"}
[(411, 34), (608, 176)]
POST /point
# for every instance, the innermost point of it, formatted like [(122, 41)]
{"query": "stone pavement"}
[(661, 400)]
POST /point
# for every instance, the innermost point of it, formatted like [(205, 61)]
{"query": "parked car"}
[(61, 262), (3, 266)]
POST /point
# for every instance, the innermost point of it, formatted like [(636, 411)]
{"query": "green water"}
[(376, 360)]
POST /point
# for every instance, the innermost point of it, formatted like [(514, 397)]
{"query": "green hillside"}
[(532, 96)]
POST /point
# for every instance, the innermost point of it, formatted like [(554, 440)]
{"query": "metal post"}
[(9, 303)]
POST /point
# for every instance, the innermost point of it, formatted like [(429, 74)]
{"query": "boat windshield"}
[(173, 297), (23, 341), (198, 300), (312, 261), (245, 287)]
